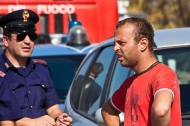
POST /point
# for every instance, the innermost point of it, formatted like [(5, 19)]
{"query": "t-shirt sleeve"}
[(9, 109), (118, 98), (165, 79)]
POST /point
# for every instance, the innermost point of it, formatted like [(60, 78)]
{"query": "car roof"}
[(172, 37), (60, 49), (165, 37)]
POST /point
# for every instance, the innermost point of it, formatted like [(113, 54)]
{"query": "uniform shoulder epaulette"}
[(39, 61), (2, 74)]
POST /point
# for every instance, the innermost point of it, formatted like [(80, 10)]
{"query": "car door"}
[(82, 112), (116, 78)]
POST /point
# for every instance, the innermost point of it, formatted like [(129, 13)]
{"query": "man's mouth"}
[(119, 56), (26, 48)]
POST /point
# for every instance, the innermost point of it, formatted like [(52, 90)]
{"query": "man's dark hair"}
[(97, 68), (7, 33), (143, 29)]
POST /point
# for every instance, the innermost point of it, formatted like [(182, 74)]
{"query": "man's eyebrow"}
[(119, 40)]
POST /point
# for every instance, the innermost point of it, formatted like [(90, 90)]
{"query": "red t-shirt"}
[(136, 95)]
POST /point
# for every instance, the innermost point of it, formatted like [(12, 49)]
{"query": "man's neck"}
[(144, 63), (16, 61)]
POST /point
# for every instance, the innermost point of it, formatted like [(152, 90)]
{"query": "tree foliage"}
[(162, 13)]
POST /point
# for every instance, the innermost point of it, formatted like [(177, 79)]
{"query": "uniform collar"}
[(91, 77), (30, 63), (7, 64)]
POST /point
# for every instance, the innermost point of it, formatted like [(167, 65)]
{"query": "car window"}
[(120, 74), (78, 82), (87, 89), (93, 92), (179, 60), (62, 70)]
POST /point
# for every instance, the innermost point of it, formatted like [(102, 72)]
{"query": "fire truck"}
[(99, 17)]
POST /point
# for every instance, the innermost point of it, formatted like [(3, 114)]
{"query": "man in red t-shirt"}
[(151, 97)]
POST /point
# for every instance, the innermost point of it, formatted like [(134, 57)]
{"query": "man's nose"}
[(116, 47), (27, 39)]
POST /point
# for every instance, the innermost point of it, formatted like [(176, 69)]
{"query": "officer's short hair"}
[(97, 68), (20, 21)]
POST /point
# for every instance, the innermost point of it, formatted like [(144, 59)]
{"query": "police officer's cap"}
[(21, 20)]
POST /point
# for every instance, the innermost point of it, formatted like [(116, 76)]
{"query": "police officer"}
[(29, 79)]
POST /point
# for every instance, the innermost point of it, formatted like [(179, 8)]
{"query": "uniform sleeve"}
[(118, 98), (51, 97), (166, 79), (9, 109)]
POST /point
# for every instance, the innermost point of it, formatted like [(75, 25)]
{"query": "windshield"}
[(62, 70), (179, 60)]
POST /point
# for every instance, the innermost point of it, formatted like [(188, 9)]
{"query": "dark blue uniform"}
[(31, 85), (9, 109)]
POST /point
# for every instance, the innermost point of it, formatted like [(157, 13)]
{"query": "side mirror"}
[(99, 119)]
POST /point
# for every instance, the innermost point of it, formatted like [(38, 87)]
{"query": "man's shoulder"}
[(2, 69), (2, 74), (40, 65), (163, 68), (2, 60), (39, 61)]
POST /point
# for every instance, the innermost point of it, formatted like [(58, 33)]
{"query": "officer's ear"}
[(5, 40)]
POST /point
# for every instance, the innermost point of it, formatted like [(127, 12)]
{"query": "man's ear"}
[(143, 43), (5, 40)]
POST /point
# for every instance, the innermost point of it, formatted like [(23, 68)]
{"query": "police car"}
[(63, 60)]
